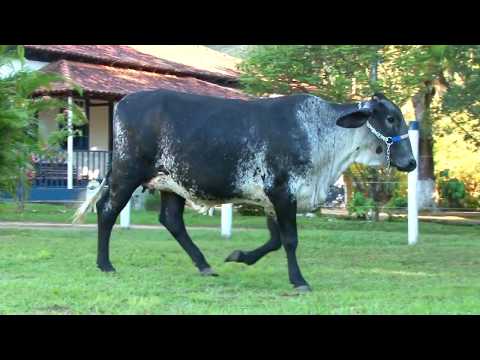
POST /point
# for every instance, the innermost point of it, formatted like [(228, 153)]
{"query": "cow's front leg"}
[(285, 207)]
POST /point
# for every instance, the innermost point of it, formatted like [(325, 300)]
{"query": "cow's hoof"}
[(302, 289), (208, 272), (235, 256), (106, 267)]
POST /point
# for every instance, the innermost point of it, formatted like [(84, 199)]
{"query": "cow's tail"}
[(79, 215)]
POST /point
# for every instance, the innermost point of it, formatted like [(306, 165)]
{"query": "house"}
[(106, 74)]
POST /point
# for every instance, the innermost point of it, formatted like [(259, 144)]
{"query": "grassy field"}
[(354, 268)]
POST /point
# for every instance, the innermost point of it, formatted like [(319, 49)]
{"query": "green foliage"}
[(451, 190), (397, 202), (360, 205), (380, 185), (471, 202), (18, 122), (462, 100), (333, 72)]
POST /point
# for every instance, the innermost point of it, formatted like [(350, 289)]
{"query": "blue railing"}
[(87, 165)]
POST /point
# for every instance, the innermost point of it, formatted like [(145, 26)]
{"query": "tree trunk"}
[(347, 180), (426, 178)]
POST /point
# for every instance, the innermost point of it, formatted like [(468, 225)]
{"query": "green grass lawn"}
[(354, 268), (57, 213)]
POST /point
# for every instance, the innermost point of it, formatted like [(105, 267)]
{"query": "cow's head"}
[(388, 132)]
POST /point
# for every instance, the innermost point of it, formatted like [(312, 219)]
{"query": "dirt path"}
[(62, 226)]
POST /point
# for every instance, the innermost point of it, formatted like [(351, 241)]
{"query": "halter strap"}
[(388, 140)]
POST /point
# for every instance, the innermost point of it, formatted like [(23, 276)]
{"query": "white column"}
[(70, 144), (412, 187), (125, 215), (227, 211)]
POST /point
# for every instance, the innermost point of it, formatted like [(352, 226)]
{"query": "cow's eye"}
[(390, 120)]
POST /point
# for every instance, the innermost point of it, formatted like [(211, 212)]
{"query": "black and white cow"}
[(281, 153)]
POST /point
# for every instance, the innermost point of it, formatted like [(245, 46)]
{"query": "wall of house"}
[(47, 123), (99, 128)]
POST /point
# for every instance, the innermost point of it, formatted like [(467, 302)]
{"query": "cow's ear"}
[(378, 96), (355, 119)]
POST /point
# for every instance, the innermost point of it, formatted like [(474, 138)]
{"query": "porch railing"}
[(87, 165)]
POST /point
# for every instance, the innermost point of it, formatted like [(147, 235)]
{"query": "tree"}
[(462, 101), (424, 74), (18, 122), (337, 73)]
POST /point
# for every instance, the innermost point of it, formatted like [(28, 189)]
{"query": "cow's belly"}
[(251, 194)]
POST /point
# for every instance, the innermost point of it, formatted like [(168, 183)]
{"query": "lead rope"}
[(388, 140)]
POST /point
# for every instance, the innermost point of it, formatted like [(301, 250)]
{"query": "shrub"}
[(397, 202), (470, 202), (360, 205), (451, 190)]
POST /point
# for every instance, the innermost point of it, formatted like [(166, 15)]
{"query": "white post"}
[(412, 187), (227, 210), (70, 144), (125, 215)]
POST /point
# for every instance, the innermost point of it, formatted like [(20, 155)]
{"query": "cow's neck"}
[(348, 146), (338, 147), (333, 149)]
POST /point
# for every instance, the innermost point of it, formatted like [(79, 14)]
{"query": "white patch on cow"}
[(108, 205), (120, 139), (252, 178), (164, 181)]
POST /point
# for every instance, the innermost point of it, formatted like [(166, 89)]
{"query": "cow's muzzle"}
[(412, 164)]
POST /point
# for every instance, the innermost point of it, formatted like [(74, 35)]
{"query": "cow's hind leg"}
[(171, 216), (251, 257), (109, 206)]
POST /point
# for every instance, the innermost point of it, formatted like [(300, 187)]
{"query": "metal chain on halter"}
[(387, 140)]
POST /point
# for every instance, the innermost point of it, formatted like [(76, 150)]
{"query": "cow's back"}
[(213, 148)]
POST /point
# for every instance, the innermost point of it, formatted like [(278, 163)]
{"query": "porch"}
[(65, 176), (106, 75)]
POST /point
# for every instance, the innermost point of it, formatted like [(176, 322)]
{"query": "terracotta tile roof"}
[(126, 57), (101, 80)]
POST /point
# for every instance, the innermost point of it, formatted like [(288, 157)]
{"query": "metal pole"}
[(70, 144), (227, 211), (412, 187)]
